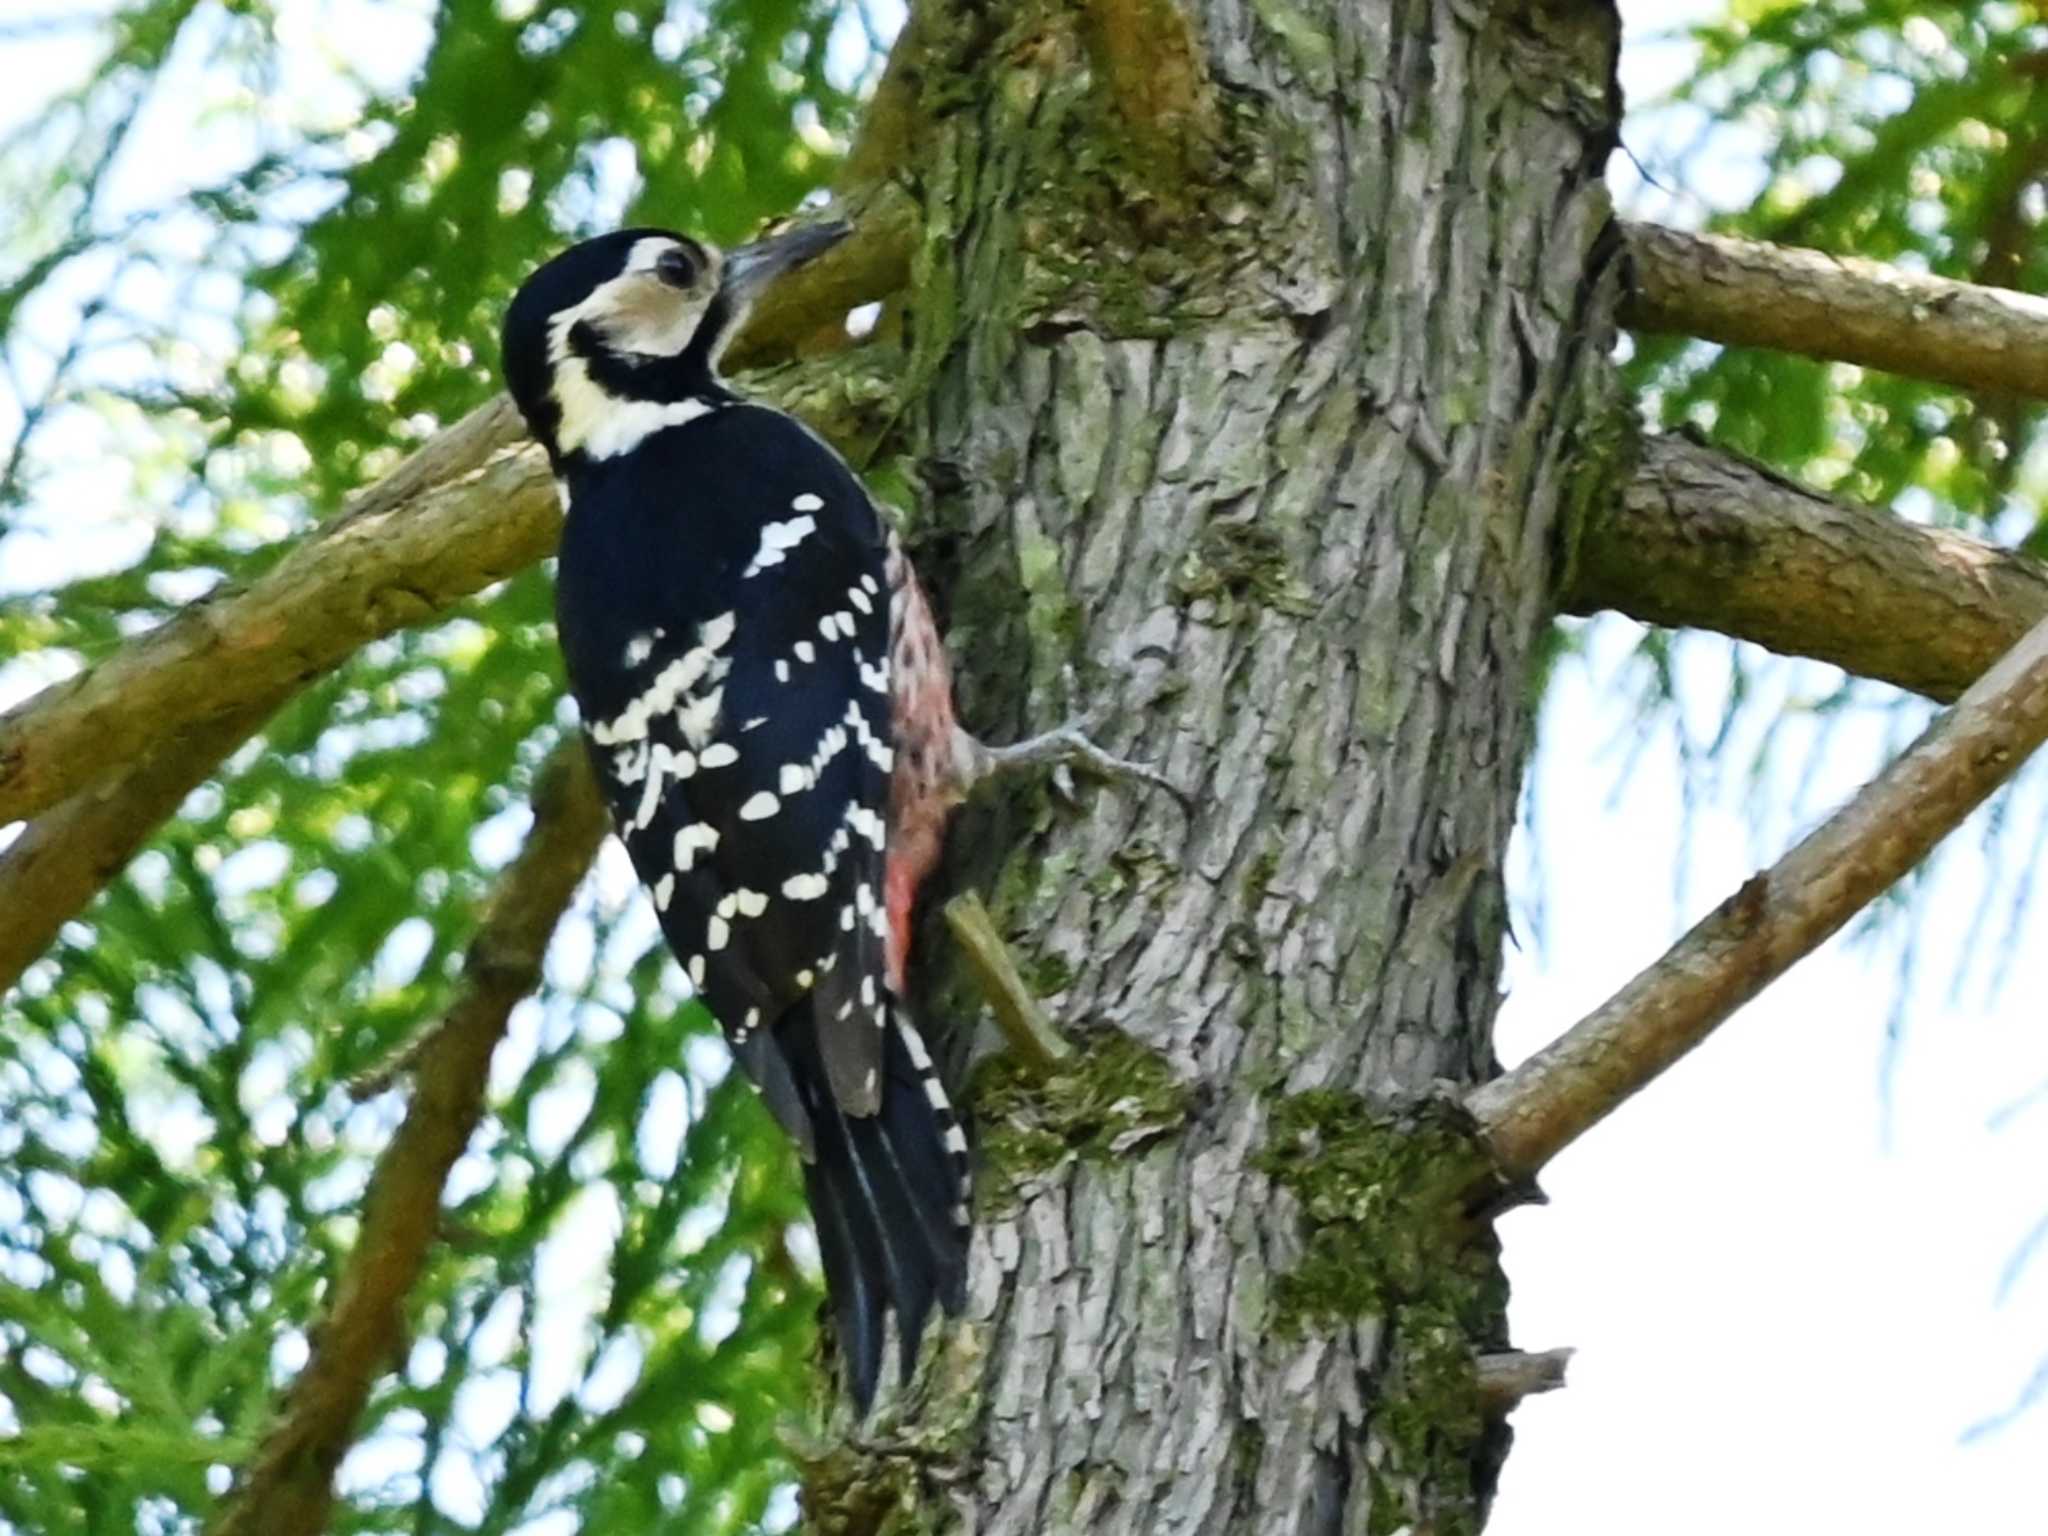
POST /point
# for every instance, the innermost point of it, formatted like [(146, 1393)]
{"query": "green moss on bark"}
[(850, 1493), (1111, 1095), (1389, 1236), (1239, 567)]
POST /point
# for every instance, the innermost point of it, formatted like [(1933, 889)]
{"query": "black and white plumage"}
[(728, 603)]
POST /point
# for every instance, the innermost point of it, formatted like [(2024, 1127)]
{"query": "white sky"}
[(1785, 1317)]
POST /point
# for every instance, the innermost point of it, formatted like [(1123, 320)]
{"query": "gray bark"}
[(1278, 453)]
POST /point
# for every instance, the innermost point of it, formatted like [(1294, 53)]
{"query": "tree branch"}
[(63, 858), (471, 507), (468, 509), (1701, 538), (1031, 1035), (1753, 294), (1154, 67), (142, 731), (1776, 918), (288, 1485), (1506, 1378)]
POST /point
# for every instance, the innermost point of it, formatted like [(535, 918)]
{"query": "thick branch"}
[(1778, 917), (1146, 55), (288, 1485), (470, 508), (1750, 293), (63, 858), (1703, 539)]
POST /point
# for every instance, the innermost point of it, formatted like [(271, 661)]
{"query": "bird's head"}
[(637, 318)]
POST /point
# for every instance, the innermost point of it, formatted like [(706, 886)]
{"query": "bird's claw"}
[(1065, 746)]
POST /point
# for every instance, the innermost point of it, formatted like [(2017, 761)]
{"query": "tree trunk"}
[(1258, 358)]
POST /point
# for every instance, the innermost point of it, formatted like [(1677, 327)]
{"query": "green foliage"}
[(260, 321)]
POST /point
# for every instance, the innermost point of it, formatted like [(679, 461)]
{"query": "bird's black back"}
[(680, 578)]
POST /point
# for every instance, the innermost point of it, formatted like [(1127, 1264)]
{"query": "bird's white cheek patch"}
[(602, 425)]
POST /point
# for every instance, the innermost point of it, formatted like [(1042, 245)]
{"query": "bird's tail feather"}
[(888, 1200)]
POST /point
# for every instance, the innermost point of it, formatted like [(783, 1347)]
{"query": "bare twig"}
[(1506, 1378), (1023, 1022), (1751, 293), (287, 1487), (1705, 539), (1778, 917)]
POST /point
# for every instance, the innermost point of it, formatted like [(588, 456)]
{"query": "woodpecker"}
[(769, 709)]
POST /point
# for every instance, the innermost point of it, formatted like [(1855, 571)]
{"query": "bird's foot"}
[(1063, 749)]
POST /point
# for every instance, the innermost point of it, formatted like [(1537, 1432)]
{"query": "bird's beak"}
[(752, 268)]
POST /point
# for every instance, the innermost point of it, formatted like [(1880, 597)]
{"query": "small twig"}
[(1023, 1022), (1778, 917), (1506, 1378), (384, 1074), (288, 1484)]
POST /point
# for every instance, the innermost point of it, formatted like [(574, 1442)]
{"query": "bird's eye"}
[(676, 268)]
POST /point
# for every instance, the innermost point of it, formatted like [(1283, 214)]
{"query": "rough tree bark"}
[(1269, 423), (1254, 381)]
